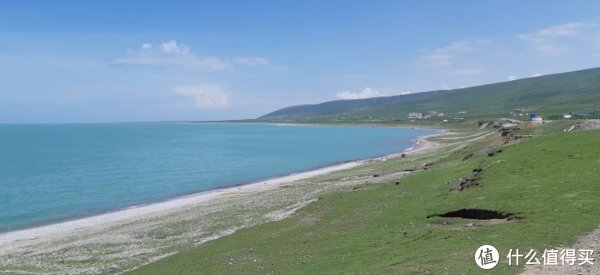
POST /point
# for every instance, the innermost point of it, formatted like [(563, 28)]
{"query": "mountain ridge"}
[(553, 93)]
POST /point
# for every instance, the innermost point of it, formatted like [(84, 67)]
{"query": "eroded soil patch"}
[(476, 214)]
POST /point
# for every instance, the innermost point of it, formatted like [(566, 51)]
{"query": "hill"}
[(425, 222), (547, 95)]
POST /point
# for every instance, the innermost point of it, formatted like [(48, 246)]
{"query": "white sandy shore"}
[(150, 209), (137, 212)]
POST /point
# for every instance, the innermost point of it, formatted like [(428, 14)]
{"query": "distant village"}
[(528, 114), (520, 114), (429, 114), (587, 114), (432, 114), (533, 117)]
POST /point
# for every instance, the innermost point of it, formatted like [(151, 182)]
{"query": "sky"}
[(127, 61)]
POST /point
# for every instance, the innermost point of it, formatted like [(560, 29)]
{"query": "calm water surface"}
[(55, 172)]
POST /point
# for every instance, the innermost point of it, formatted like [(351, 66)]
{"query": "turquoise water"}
[(50, 173)]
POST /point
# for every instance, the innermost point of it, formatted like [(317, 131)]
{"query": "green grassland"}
[(549, 95), (389, 225), (550, 182)]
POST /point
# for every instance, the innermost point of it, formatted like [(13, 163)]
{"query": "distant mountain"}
[(547, 95)]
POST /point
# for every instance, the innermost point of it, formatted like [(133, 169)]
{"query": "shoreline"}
[(171, 204), (108, 219)]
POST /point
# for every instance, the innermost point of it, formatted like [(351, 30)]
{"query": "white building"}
[(415, 115)]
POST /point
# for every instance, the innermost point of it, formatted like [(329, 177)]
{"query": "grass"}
[(550, 182), (547, 95)]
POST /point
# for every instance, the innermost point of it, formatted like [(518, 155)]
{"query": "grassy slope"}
[(550, 181), (550, 94)]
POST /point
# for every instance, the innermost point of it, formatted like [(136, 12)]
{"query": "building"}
[(415, 115), (538, 119), (533, 117), (426, 115)]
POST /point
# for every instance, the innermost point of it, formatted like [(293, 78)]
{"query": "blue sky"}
[(111, 61)]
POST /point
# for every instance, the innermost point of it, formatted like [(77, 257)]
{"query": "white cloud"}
[(345, 77), (205, 96), (444, 56), (171, 54), (536, 75), (171, 47), (552, 40), (252, 61), (457, 59), (438, 59), (567, 29), (467, 71), (365, 93), (174, 55), (480, 60)]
